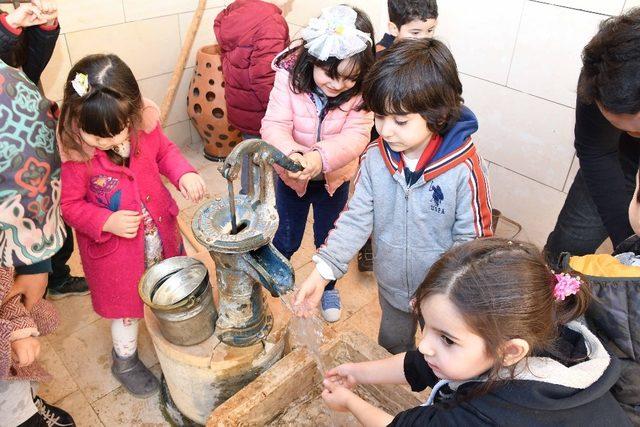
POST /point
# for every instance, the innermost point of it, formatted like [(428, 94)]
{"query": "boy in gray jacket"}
[(421, 187)]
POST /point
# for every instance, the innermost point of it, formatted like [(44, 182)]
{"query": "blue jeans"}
[(293, 211)]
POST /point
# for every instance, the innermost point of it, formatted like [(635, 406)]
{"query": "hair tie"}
[(335, 34), (565, 285), (80, 84)]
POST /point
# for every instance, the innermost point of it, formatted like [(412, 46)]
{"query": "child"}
[(31, 231), (250, 34), (19, 348), (414, 19), (315, 116), (28, 37), (500, 346), (113, 196), (421, 187)]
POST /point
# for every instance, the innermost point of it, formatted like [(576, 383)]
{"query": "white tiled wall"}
[(519, 61)]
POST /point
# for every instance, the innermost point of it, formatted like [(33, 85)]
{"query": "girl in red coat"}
[(114, 153)]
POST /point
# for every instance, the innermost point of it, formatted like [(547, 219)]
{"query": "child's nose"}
[(425, 348)]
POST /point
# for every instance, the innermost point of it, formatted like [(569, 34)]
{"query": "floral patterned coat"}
[(31, 229)]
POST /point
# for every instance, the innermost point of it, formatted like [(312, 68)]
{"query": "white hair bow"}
[(335, 34)]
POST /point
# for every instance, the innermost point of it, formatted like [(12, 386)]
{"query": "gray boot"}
[(133, 375)]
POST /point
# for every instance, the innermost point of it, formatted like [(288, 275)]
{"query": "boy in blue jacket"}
[(421, 187)]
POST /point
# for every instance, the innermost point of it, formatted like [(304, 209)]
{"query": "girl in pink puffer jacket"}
[(315, 117)]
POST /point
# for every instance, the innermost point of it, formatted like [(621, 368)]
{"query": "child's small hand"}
[(312, 165), (25, 351), (26, 15), (342, 375), (337, 397), (308, 296), (297, 157), (192, 186), (123, 223), (48, 9)]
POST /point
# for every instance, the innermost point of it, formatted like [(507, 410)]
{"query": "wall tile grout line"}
[(570, 8), (560, 190), (515, 44), (519, 90)]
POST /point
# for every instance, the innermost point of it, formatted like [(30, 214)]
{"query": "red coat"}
[(250, 34), (92, 190)]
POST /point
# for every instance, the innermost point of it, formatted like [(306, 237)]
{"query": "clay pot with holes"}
[(207, 108)]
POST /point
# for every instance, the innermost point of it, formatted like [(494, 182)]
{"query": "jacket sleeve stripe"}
[(480, 198)]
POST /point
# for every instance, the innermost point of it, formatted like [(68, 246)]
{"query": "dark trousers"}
[(59, 261), (293, 211), (579, 229)]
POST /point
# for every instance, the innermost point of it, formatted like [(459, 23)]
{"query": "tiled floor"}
[(79, 357)]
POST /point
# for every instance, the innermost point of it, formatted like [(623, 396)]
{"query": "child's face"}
[(415, 29), (104, 143), (406, 133), (450, 347), (334, 87)]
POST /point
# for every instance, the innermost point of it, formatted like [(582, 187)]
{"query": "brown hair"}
[(416, 76), (112, 103), (503, 290), (301, 75)]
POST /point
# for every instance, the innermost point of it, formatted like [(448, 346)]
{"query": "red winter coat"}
[(250, 34), (93, 190)]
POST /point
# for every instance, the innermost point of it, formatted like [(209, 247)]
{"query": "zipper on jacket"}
[(406, 241)]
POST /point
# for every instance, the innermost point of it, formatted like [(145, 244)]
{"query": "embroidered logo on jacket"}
[(437, 197), (103, 187)]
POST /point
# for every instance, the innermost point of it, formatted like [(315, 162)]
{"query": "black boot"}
[(48, 416), (67, 287), (133, 375)]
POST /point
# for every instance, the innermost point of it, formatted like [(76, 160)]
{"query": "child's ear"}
[(514, 351), (393, 29)]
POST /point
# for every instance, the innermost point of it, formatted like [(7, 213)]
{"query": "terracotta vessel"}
[(206, 105)]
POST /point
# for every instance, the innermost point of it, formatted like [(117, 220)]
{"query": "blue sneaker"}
[(331, 305)]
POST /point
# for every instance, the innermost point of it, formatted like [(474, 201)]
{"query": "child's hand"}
[(123, 223), (342, 375), (26, 15), (337, 397), (309, 295), (312, 165), (297, 157), (25, 351), (192, 186), (31, 286), (48, 9)]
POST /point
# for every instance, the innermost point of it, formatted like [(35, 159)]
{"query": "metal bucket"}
[(179, 294)]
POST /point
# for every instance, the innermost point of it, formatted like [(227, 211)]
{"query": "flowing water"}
[(308, 332)]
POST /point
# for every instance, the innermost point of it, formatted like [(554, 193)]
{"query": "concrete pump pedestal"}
[(202, 376)]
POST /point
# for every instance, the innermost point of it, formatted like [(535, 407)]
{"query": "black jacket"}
[(608, 161), (40, 42), (555, 390)]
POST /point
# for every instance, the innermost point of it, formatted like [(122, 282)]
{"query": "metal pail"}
[(179, 294)]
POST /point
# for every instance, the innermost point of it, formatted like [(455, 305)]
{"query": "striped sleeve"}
[(473, 211)]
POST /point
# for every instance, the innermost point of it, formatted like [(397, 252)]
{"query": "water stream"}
[(308, 332)]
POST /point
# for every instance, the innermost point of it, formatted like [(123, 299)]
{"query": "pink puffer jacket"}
[(291, 125)]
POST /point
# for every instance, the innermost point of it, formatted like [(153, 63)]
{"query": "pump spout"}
[(272, 270)]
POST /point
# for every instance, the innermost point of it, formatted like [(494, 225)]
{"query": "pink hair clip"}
[(565, 285)]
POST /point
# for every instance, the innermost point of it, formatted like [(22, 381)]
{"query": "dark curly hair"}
[(416, 76), (404, 11), (610, 72)]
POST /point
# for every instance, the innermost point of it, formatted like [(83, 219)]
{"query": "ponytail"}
[(573, 306)]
